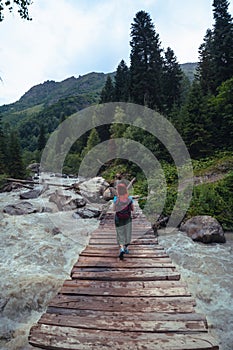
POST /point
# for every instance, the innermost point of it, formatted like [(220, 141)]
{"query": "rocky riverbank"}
[(38, 250)]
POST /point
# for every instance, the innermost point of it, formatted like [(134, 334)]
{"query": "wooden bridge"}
[(135, 304)]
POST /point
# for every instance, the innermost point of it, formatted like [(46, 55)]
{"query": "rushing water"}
[(34, 264), (208, 270)]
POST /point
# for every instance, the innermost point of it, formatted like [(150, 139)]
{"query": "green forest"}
[(199, 106)]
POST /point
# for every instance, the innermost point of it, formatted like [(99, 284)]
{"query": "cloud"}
[(70, 37)]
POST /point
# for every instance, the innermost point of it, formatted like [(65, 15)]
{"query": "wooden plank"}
[(112, 235), (138, 285), (93, 261), (146, 263), (69, 287), (115, 253), (132, 271), (120, 322), (145, 316), (126, 304), (132, 248), (128, 275), (109, 232), (102, 241), (55, 337), (134, 240), (115, 245)]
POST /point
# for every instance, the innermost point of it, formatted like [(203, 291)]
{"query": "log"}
[(36, 182)]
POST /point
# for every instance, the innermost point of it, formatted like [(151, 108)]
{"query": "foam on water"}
[(33, 265), (208, 270)]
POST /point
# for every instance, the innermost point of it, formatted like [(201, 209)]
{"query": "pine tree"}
[(222, 42), (118, 128), (146, 63), (41, 138), (206, 67), (2, 149), (122, 83), (197, 127), (216, 53), (171, 81), (108, 92), (221, 107), (22, 6), (92, 141), (90, 154), (15, 162)]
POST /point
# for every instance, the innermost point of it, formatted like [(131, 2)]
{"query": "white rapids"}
[(34, 262), (208, 270)]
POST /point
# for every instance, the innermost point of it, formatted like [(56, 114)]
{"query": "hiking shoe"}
[(121, 255)]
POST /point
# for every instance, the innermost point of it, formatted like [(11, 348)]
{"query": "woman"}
[(123, 206)]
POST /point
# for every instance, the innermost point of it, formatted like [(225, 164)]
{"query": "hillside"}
[(189, 69), (50, 92), (49, 102)]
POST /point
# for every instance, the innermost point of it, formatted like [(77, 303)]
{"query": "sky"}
[(74, 37)]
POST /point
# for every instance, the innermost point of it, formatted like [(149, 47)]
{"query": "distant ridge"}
[(91, 84), (50, 92), (189, 69), (50, 102)]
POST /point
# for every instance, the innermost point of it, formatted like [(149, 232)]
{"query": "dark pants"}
[(124, 230)]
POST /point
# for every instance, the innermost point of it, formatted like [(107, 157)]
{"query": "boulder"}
[(109, 193), (67, 201), (35, 193), (86, 213), (93, 189), (34, 167), (205, 229), (21, 208)]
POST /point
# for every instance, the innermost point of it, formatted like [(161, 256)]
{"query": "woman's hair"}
[(122, 191)]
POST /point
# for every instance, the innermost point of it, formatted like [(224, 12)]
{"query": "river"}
[(208, 271), (34, 262)]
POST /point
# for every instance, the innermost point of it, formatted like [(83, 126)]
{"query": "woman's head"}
[(122, 190)]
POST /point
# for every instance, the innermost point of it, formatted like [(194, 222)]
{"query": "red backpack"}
[(123, 209)]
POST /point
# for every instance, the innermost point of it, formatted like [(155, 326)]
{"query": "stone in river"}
[(205, 229)]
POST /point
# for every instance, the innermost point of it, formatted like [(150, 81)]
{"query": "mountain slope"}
[(50, 92), (50, 102)]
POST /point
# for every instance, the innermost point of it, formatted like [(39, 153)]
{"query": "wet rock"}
[(12, 186), (109, 193), (205, 229), (46, 210), (31, 194), (79, 202), (21, 208), (3, 303), (34, 167), (67, 200), (93, 189), (56, 231), (86, 213)]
